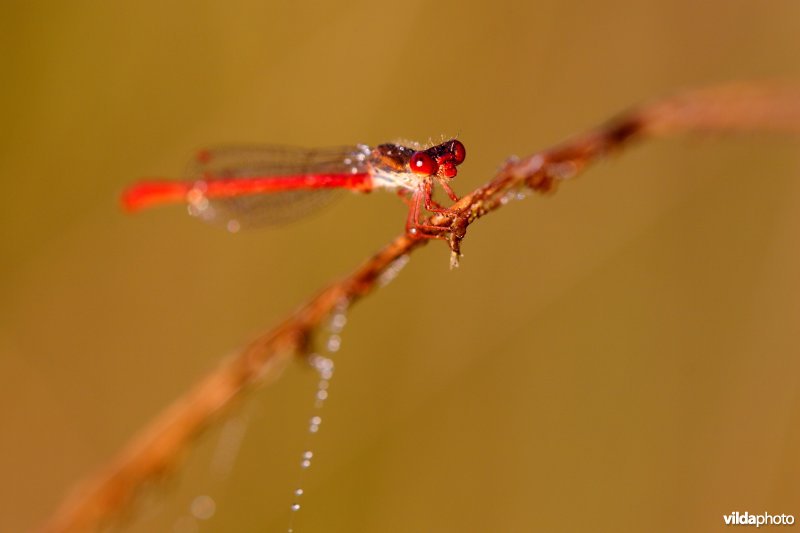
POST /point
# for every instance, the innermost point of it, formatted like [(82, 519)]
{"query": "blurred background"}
[(620, 356)]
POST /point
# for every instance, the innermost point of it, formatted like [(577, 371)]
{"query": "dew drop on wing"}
[(267, 209)]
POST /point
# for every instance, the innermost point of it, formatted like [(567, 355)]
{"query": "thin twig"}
[(746, 107)]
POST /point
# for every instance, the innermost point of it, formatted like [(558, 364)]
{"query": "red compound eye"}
[(459, 152), (423, 164)]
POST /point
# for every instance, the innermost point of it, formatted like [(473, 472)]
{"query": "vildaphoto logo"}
[(746, 519)]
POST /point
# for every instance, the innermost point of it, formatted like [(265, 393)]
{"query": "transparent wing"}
[(278, 207)]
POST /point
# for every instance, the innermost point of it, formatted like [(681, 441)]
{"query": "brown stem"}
[(745, 107)]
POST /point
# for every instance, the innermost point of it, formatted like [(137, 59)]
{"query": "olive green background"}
[(622, 356)]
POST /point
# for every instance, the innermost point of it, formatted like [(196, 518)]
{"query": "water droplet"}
[(298, 492), (394, 269), (321, 363), (324, 366), (233, 226), (230, 440), (562, 171), (202, 210), (338, 322), (308, 454), (532, 165), (197, 199), (295, 507), (195, 195), (203, 507), (322, 395), (305, 464), (334, 343)]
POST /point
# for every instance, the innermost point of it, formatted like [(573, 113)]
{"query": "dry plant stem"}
[(155, 451)]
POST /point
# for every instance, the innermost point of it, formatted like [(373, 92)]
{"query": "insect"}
[(264, 184)]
